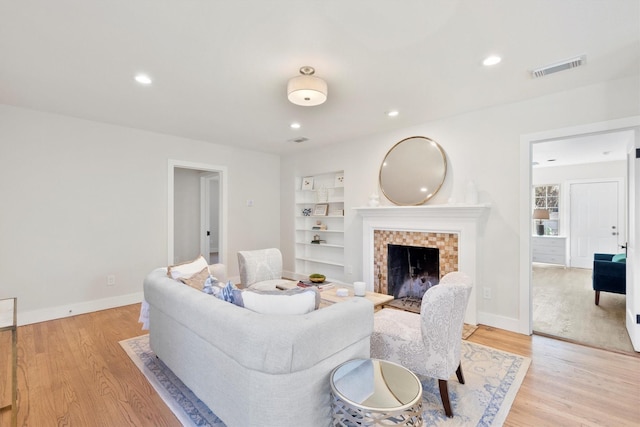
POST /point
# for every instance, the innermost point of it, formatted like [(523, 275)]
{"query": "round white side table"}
[(373, 392)]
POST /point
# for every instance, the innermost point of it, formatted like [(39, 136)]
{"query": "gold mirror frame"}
[(413, 171)]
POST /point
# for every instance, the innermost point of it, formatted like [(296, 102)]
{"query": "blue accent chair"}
[(608, 275)]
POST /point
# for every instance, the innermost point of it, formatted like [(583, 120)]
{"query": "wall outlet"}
[(111, 280), (487, 293)]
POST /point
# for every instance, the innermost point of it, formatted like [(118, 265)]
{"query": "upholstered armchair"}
[(427, 343), (609, 274), (261, 269)]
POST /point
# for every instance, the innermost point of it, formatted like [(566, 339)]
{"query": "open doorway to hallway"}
[(578, 183), (197, 212)]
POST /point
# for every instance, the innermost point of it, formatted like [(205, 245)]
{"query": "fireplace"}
[(455, 230), (411, 271)]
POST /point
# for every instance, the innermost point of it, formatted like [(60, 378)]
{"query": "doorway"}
[(194, 191), (576, 193)]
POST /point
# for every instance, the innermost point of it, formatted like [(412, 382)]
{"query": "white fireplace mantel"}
[(461, 219)]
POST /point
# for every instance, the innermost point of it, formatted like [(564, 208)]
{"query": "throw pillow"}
[(292, 301), (619, 258), (227, 293), (196, 281), (187, 269)]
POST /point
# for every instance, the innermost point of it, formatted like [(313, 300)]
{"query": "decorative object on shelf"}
[(339, 181), (317, 278), (540, 214), (319, 226), (471, 196), (306, 212), (320, 210), (322, 194), (307, 183), (374, 200), (306, 89), (317, 240), (336, 212), (413, 171)]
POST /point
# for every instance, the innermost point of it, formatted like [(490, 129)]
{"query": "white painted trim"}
[(224, 178), (525, 319), (460, 219), (59, 312)]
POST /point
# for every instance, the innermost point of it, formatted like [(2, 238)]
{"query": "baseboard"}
[(500, 322), (59, 312)]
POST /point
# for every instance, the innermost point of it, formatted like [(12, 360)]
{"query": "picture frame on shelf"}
[(320, 209), (339, 180), (336, 212), (307, 183)]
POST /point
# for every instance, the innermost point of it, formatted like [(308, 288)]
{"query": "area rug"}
[(492, 378), (564, 307)]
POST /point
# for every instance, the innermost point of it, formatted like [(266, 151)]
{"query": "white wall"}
[(563, 174), (81, 200), (482, 146)]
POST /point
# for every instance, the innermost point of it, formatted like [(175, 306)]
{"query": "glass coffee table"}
[(373, 392)]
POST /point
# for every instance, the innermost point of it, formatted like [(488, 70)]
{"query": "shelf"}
[(319, 261), (319, 231), (340, 200), (326, 245)]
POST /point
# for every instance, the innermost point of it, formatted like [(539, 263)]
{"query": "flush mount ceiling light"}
[(307, 90), (143, 79), (491, 60)]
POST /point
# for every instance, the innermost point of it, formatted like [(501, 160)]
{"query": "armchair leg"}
[(597, 297), (444, 395), (459, 374)]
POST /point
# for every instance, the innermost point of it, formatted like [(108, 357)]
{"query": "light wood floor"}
[(73, 372)]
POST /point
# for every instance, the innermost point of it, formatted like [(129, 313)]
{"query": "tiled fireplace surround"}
[(453, 229)]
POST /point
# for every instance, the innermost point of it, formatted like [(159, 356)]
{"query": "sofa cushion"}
[(619, 258), (292, 301), (197, 280), (187, 268)]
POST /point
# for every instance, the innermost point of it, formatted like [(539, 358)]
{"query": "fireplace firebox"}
[(411, 271)]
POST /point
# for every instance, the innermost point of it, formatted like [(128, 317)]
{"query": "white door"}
[(594, 228), (633, 255), (209, 217)]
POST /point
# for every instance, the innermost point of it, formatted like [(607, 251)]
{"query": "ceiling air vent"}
[(559, 66), (299, 139)]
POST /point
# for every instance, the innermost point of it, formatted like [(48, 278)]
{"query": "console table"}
[(8, 322)]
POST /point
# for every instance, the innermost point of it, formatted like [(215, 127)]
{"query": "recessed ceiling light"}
[(491, 60), (295, 125), (143, 79), (393, 113)]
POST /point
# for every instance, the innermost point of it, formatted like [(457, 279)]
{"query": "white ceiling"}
[(220, 68), (584, 149)]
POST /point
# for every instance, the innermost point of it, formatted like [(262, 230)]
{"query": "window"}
[(548, 197)]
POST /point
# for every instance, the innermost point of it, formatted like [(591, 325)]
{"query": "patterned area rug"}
[(492, 378)]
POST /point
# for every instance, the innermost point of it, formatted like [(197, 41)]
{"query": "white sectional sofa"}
[(254, 369)]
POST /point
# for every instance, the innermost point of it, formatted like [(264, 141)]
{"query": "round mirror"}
[(413, 171)]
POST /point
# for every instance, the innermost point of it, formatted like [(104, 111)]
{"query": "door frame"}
[(621, 197), (205, 212), (172, 164), (525, 315)]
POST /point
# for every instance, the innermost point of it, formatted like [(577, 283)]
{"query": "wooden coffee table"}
[(330, 296)]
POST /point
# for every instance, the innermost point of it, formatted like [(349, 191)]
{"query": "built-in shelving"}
[(322, 193)]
